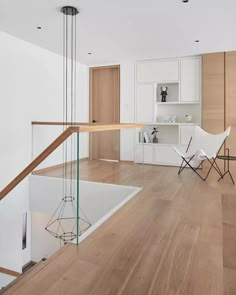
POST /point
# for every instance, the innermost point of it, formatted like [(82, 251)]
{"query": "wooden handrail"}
[(58, 141), (9, 272), (79, 124), (58, 123), (72, 123), (92, 127), (109, 127)]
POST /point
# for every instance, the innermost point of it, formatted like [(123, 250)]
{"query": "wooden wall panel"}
[(230, 118), (213, 96), (213, 92)]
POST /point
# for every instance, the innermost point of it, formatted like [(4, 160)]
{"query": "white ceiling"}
[(118, 30)]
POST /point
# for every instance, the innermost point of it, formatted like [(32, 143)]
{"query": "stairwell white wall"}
[(30, 90)]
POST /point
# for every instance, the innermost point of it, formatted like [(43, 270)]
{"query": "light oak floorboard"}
[(229, 281), (169, 239)]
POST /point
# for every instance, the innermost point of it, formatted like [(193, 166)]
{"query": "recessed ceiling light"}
[(89, 53), (185, 1), (39, 28), (197, 41)]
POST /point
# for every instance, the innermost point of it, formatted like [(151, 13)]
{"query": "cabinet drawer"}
[(165, 154), (159, 71)]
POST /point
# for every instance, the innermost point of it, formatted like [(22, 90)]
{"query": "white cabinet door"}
[(148, 154), (166, 155), (144, 153), (127, 137), (145, 103), (190, 70), (185, 134), (159, 71)]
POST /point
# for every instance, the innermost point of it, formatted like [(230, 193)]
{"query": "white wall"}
[(127, 109), (44, 135), (30, 90), (11, 220)]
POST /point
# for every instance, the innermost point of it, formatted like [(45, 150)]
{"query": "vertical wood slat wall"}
[(213, 95), (230, 118), (219, 96)]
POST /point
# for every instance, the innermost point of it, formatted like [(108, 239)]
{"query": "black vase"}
[(155, 139)]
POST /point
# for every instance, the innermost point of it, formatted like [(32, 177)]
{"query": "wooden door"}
[(105, 109)]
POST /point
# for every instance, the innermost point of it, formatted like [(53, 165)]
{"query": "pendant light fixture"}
[(69, 221)]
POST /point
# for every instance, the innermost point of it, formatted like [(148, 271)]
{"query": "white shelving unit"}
[(178, 102), (183, 79)]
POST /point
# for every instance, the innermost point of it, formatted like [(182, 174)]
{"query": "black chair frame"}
[(186, 163)]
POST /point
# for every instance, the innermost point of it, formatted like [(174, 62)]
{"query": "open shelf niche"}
[(173, 92), (167, 134), (164, 112)]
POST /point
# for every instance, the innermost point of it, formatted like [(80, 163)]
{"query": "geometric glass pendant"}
[(63, 223)]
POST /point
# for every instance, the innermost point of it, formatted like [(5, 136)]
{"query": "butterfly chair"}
[(202, 146)]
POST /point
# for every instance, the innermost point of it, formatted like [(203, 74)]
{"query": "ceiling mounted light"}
[(197, 41), (185, 1), (39, 28)]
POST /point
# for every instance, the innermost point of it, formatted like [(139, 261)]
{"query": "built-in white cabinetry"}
[(176, 117), (165, 154), (144, 153), (190, 73), (148, 154), (161, 71), (144, 103)]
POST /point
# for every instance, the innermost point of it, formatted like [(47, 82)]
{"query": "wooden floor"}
[(177, 236)]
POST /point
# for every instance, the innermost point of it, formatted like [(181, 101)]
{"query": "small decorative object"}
[(188, 117), (165, 119), (154, 133), (172, 119), (145, 137), (164, 93)]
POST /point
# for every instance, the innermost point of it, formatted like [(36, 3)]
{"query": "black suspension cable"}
[(66, 213)]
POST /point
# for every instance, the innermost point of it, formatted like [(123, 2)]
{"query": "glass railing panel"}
[(53, 201), (70, 194), (111, 175)]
